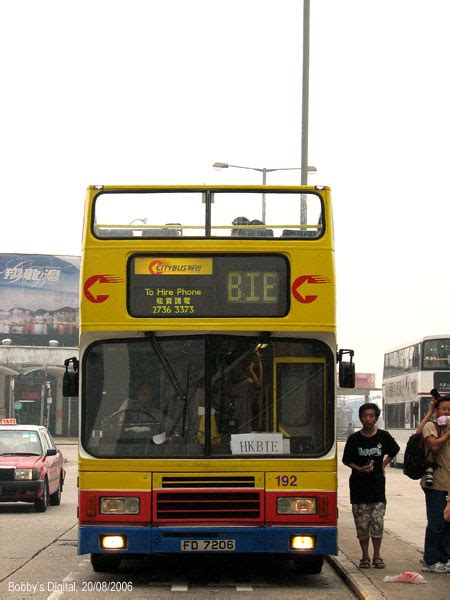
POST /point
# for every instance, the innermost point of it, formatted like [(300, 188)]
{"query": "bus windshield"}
[(436, 354), (207, 395)]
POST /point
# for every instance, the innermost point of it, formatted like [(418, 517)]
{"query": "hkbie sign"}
[(257, 443)]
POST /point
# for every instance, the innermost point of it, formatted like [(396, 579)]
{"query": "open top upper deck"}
[(120, 212), (153, 254)]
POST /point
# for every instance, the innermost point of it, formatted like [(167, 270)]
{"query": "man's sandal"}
[(378, 563), (364, 563)]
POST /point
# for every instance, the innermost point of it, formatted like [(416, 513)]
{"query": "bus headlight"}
[(119, 505), (303, 542), (113, 542), (296, 506)]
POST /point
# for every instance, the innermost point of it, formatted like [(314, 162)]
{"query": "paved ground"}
[(402, 543)]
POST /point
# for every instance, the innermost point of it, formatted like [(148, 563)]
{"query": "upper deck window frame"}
[(241, 232)]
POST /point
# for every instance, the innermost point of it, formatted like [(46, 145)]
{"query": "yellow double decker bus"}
[(207, 373)]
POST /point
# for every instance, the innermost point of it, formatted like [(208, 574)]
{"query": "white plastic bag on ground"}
[(406, 577)]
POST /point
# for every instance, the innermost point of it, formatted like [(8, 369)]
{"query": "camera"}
[(429, 475), (436, 395), (443, 420)]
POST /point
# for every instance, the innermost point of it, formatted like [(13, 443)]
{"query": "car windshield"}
[(20, 442), (218, 395)]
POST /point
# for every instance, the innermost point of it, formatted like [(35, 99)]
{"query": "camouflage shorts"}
[(369, 519)]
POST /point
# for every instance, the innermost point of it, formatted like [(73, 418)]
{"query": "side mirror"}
[(346, 369), (71, 378), (51, 452)]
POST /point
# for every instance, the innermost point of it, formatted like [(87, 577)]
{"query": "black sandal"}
[(378, 563), (364, 563)]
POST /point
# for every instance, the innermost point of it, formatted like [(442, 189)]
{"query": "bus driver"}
[(141, 409)]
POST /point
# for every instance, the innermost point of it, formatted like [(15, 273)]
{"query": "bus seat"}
[(157, 232), (169, 230), (254, 233), (264, 232), (258, 233), (243, 233), (172, 230), (101, 232), (298, 233)]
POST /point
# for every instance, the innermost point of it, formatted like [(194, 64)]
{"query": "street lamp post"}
[(264, 171), (305, 106)]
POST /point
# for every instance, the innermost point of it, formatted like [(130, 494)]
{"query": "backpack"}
[(415, 459)]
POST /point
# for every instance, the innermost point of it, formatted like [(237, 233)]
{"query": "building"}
[(39, 323), (349, 401)]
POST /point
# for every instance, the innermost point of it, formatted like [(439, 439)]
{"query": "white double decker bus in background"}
[(410, 372)]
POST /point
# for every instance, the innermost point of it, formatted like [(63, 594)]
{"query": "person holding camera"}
[(447, 508), (435, 484), (429, 414)]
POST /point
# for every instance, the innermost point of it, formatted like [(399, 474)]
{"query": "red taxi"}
[(31, 466)]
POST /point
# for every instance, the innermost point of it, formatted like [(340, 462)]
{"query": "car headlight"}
[(24, 474), (296, 506), (123, 505)]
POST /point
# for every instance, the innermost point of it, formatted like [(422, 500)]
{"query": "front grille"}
[(209, 505), (208, 481), (7, 473)]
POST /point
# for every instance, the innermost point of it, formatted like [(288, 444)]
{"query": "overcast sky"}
[(144, 91)]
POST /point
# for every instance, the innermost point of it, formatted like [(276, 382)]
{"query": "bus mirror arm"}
[(346, 369), (71, 378)]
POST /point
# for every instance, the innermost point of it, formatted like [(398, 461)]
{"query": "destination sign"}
[(235, 285)]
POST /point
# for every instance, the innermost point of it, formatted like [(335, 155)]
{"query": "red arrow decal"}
[(307, 299), (90, 294)]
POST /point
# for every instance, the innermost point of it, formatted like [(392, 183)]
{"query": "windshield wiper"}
[(28, 453), (167, 366), (182, 394), (19, 454)]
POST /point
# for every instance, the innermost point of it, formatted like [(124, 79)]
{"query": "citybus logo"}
[(157, 266), (303, 297), (172, 266), (92, 287)]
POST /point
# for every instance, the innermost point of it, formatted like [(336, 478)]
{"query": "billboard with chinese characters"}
[(39, 298), (365, 380)]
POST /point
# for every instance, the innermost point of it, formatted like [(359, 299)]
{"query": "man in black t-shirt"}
[(367, 453)]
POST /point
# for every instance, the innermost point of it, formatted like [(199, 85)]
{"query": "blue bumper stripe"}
[(165, 540)]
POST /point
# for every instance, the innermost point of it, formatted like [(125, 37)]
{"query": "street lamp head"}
[(221, 165), (142, 221)]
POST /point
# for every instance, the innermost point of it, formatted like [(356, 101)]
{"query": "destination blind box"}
[(240, 285)]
